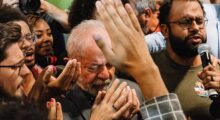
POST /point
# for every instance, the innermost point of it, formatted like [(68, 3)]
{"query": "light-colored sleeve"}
[(155, 42)]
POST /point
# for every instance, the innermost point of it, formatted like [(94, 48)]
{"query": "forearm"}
[(58, 14), (150, 81)]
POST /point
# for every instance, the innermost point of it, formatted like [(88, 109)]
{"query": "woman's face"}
[(44, 38)]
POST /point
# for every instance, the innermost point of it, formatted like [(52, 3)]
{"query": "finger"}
[(213, 84), (133, 18), (77, 73), (206, 80), (214, 61), (59, 111), (99, 98), (117, 93), (107, 51), (71, 76), (111, 11), (136, 102), (122, 99), (111, 90), (52, 110), (123, 14), (201, 75), (46, 75), (125, 107), (65, 78), (209, 68), (107, 20)]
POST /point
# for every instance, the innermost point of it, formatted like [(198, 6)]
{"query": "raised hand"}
[(128, 51), (47, 86), (67, 78)]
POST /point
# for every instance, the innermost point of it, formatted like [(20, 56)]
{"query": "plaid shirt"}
[(163, 108)]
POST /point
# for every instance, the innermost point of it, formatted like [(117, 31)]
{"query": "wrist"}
[(149, 79)]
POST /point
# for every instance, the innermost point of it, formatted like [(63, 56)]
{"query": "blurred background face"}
[(12, 77), (13, 3), (149, 21), (44, 38), (27, 43)]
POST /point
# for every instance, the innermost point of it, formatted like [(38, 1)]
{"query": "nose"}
[(195, 26), (47, 38), (24, 71), (104, 74), (26, 44)]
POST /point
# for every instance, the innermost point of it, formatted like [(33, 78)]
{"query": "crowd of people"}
[(122, 59)]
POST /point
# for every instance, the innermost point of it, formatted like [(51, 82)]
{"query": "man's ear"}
[(148, 13), (164, 30)]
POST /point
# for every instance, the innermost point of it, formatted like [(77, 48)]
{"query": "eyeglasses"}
[(186, 23), (14, 67), (29, 36)]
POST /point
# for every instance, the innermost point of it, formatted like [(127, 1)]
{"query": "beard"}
[(182, 47)]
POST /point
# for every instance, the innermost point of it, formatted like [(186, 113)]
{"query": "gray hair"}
[(143, 4), (78, 40)]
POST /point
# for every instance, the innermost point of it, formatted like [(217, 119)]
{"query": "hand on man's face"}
[(128, 47)]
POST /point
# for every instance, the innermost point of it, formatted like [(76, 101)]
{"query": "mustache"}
[(196, 36), (105, 83)]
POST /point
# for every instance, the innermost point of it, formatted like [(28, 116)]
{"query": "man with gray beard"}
[(96, 73)]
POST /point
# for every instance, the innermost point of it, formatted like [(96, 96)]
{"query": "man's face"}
[(44, 41), (96, 73), (185, 40), (26, 43), (149, 21), (12, 77)]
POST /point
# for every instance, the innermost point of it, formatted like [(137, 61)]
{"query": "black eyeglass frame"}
[(188, 23), (14, 66)]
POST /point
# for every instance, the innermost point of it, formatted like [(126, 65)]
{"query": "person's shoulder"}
[(159, 55)]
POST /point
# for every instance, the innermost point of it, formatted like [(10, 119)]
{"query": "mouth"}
[(195, 40), (46, 45), (29, 55)]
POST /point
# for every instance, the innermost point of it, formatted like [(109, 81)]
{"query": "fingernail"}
[(48, 104), (98, 4), (57, 104), (50, 68), (52, 100), (128, 87)]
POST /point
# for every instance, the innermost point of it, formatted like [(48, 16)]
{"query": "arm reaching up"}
[(129, 53), (128, 50)]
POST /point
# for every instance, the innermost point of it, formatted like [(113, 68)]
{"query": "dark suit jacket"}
[(77, 103)]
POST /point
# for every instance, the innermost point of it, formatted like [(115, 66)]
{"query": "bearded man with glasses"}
[(183, 26)]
